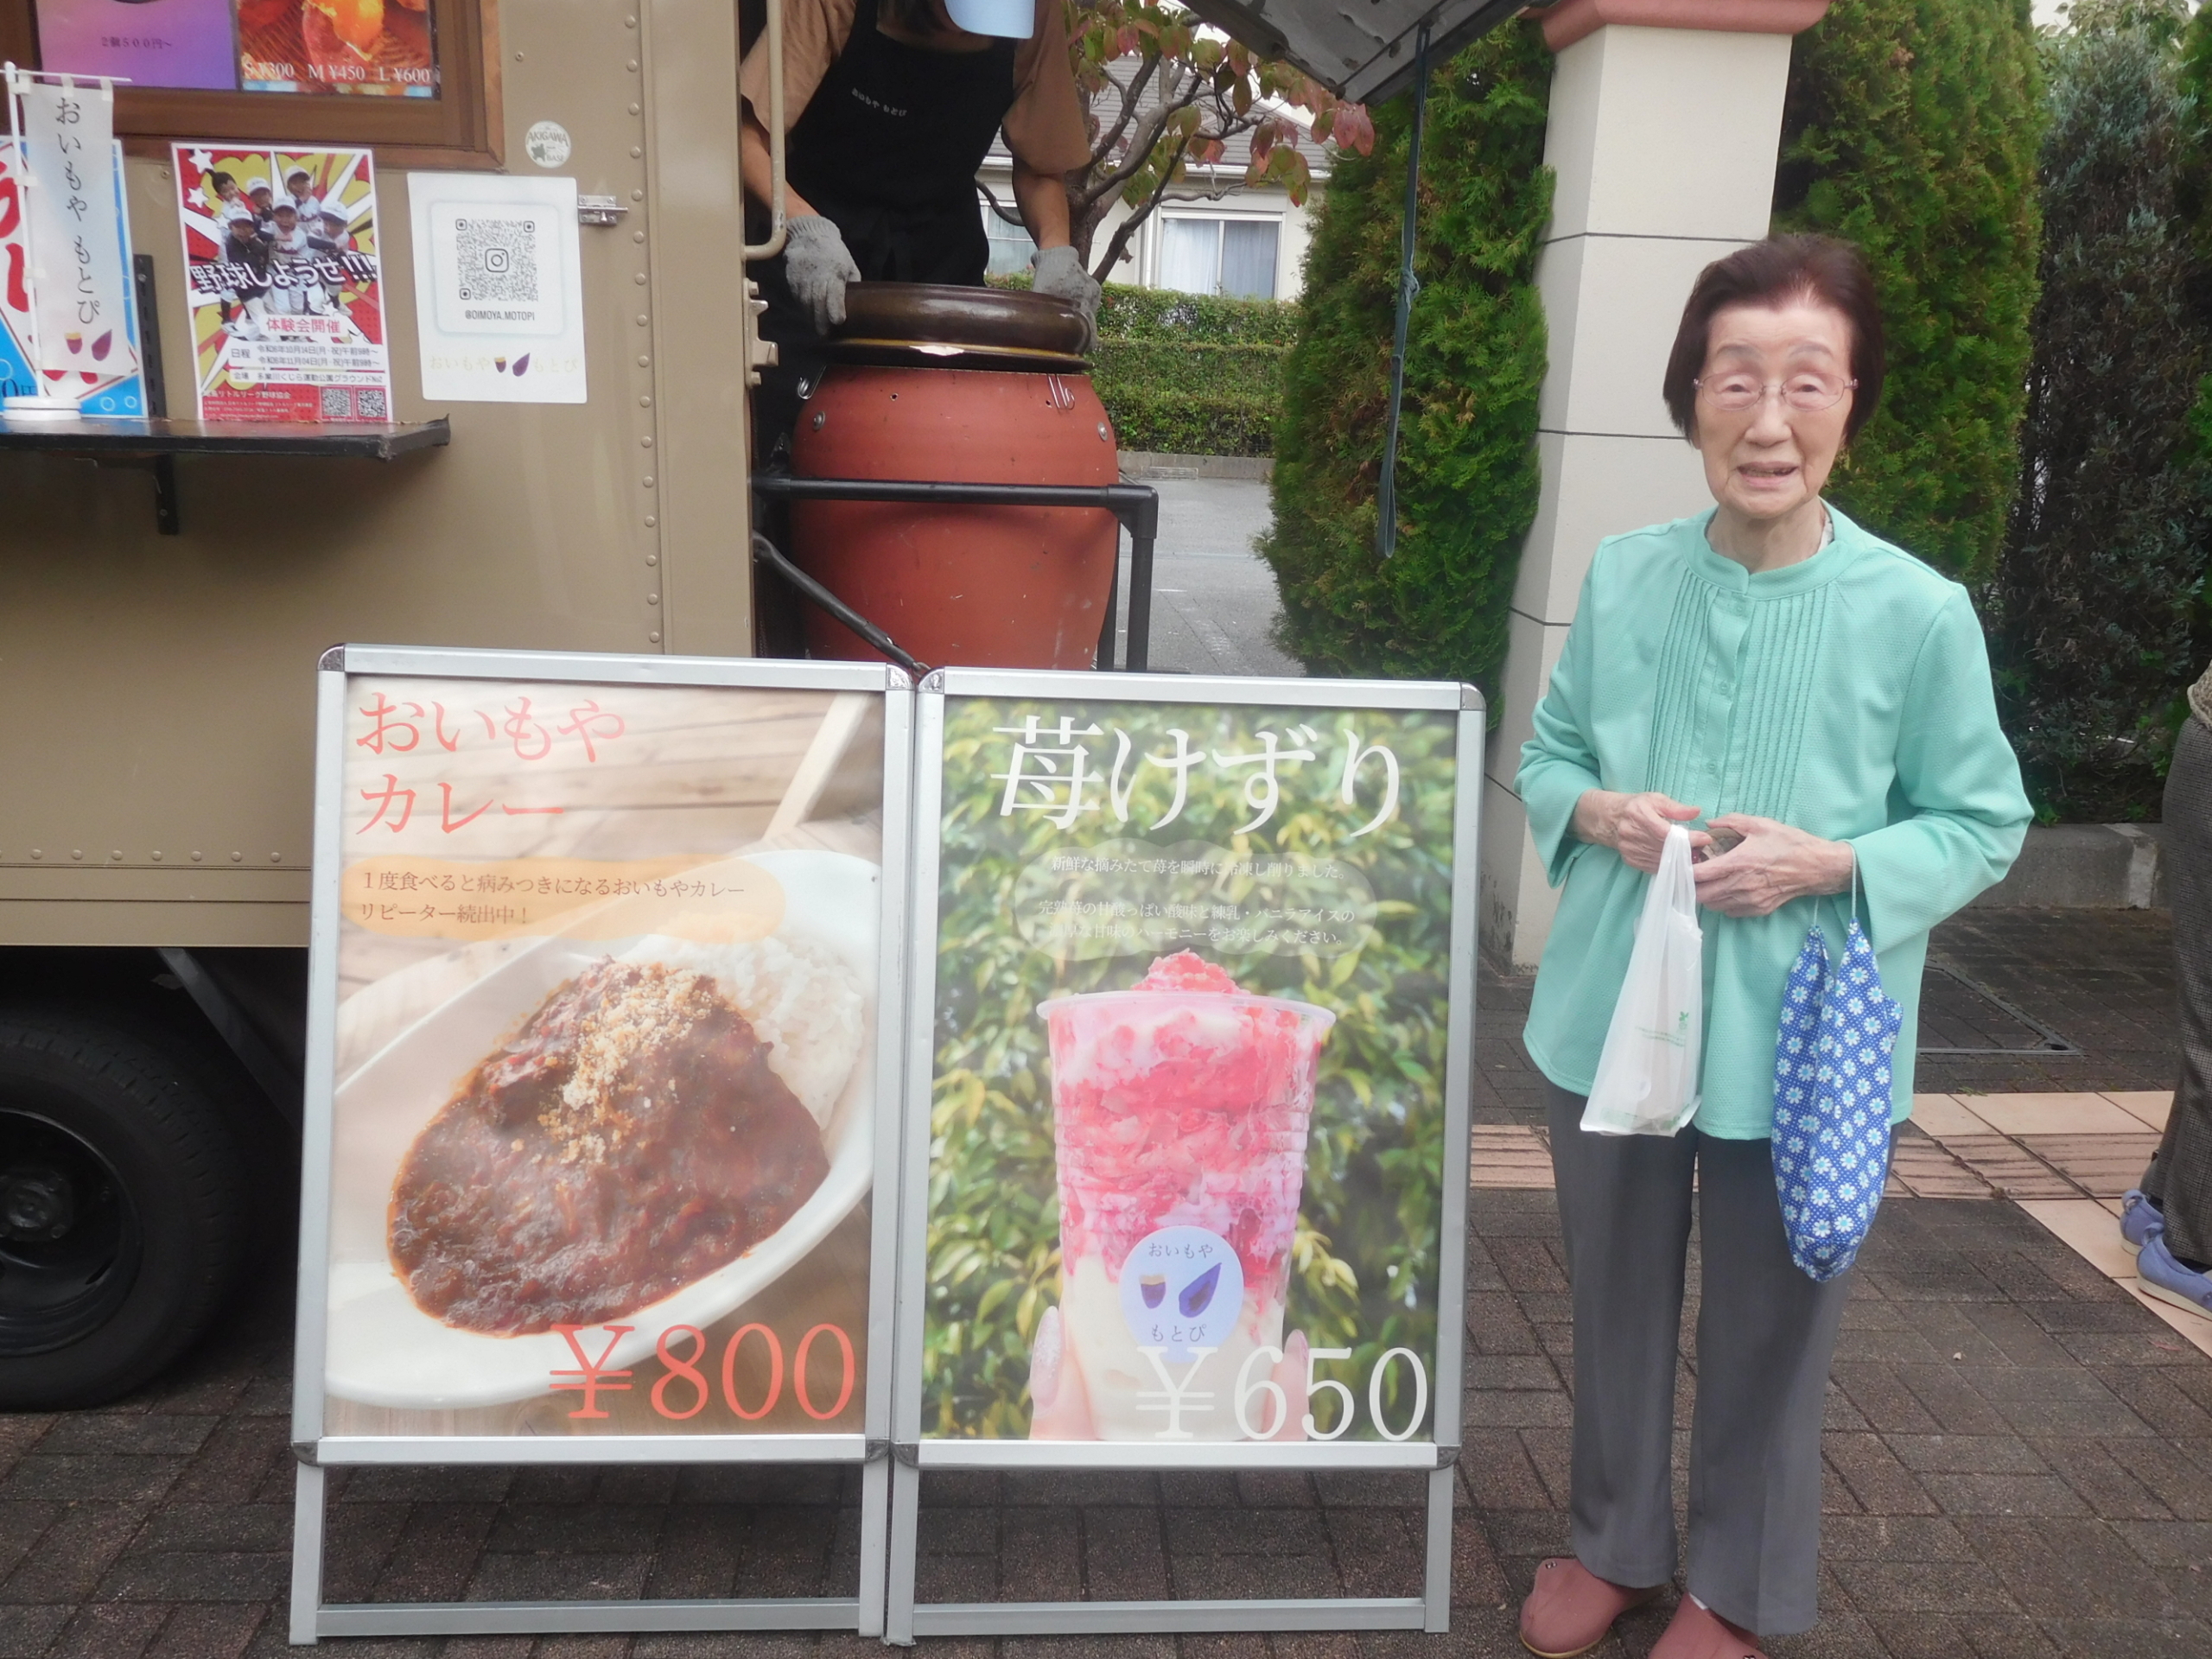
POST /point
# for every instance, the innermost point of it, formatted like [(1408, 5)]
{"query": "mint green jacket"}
[(1848, 695)]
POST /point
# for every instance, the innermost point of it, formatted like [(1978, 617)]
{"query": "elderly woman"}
[(1814, 705)]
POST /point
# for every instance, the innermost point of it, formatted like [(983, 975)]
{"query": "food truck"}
[(435, 436)]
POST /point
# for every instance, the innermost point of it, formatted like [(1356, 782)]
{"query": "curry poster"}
[(603, 1100), (283, 282)]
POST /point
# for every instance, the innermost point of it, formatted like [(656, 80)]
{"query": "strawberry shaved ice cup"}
[(1183, 1102)]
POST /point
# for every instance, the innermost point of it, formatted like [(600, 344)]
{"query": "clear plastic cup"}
[(1180, 1119)]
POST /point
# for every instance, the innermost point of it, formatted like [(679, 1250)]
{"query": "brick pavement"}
[(2019, 1462)]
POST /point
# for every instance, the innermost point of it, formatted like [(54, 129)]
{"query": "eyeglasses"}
[(1808, 392)]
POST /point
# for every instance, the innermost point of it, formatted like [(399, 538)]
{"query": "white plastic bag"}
[(1647, 1077)]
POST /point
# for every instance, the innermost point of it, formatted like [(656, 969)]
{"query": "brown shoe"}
[(1571, 1608), (1696, 1632)]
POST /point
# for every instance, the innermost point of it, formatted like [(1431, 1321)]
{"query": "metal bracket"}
[(600, 210), (277, 1079)]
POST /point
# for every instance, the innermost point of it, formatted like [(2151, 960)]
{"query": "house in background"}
[(1212, 236)]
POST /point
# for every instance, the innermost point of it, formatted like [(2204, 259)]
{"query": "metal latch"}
[(598, 210), (759, 353)]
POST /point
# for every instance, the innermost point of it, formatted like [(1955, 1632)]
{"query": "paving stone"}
[(112, 1475), (1891, 1538), (2127, 1638), (2100, 1481), (1498, 1473), (134, 1432), (2039, 1495), (1882, 1398), (2178, 1480), (209, 1631), (1882, 1485), (199, 1575), (27, 1631), (68, 1560), (1966, 1454), (1924, 1587), (109, 1630)]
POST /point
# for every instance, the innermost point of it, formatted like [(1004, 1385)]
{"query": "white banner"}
[(79, 278)]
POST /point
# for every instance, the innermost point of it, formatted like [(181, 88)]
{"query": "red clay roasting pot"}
[(965, 386)]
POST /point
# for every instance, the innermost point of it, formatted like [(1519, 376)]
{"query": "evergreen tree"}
[(1911, 130), (1467, 467), (2091, 611)]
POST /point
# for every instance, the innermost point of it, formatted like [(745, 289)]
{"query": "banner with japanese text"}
[(604, 1098), (283, 282), (1187, 1116), (80, 274), (107, 377)]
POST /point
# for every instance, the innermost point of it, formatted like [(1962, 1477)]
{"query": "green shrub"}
[(1911, 130), (2091, 611), (1190, 374), (1467, 468)]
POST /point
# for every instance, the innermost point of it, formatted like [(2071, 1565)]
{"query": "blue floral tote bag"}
[(1832, 1100)]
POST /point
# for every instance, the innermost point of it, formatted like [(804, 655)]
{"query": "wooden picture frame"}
[(458, 128)]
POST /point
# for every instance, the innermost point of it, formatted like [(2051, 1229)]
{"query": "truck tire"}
[(123, 1210)]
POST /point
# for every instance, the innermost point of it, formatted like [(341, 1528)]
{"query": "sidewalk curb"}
[(2085, 866), (1140, 466)]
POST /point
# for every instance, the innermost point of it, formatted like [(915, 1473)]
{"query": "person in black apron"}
[(881, 170)]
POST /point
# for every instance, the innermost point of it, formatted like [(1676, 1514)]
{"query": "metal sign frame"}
[(905, 1619), (311, 1616)]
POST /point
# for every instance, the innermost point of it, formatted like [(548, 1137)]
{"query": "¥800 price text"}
[(685, 1390)]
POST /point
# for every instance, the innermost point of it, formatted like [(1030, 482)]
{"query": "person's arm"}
[(756, 167), (1958, 773), (1042, 200)]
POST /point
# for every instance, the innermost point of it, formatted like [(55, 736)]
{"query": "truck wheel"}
[(123, 1211)]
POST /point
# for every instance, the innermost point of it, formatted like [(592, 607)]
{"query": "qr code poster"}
[(284, 284), (498, 288)]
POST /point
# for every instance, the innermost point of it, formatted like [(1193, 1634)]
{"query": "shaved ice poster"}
[(603, 1101), (1188, 1127)]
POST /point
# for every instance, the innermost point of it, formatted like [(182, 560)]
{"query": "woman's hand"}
[(1771, 865), (1635, 826)]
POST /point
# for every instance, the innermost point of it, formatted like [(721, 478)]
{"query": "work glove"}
[(817, 266), (1059, 273)]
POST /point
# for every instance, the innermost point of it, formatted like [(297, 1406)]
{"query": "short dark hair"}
[(1771, 273)]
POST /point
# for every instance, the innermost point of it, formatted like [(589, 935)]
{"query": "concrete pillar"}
[(1665, 118)]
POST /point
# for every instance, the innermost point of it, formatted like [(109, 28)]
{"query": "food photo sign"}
[(1191, 1004), (602, 1070)]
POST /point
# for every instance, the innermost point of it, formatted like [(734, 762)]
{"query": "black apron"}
[(886, 151)]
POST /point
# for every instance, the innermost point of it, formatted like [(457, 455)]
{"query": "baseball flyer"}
[(283, 282)]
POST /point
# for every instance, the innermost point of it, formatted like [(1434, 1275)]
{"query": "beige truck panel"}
[(157, 692)]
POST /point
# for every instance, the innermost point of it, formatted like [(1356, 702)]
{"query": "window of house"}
[(1234, 257), (1012, 248), (408, 74)]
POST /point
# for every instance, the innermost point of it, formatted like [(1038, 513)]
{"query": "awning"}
[(1360, 49)]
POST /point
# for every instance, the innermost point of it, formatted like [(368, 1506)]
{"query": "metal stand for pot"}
[(1137, 506)]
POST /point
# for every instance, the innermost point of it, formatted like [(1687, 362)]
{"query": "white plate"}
[(384, 1351)]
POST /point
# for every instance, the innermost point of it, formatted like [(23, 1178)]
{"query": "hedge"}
[(1468, 472), (1191, 374), (2091, 612), (1912, 128)]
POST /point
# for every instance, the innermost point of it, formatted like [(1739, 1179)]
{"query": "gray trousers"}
[(1765, 1333), (2179, 1180)]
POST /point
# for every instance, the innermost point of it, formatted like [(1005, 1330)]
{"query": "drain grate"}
[(1961, 1016)]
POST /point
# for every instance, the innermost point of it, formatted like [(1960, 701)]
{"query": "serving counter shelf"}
[(155, 443)]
